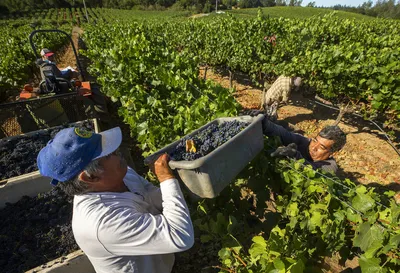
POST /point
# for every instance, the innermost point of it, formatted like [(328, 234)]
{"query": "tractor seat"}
[(51, 80)]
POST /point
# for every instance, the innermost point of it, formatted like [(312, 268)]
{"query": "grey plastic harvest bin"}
[(207, 176)]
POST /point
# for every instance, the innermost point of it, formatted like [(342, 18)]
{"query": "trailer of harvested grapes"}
[(31, 211)]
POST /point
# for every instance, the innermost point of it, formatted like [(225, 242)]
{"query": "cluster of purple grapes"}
[(35, 230), (207, 140)]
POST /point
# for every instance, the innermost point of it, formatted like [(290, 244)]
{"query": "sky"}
[(329, 3)]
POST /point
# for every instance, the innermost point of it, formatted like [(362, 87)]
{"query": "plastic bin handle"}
[(188, 165), (152, 158), (149, 160)]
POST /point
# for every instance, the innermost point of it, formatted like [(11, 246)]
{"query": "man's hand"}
[(285, 151), (270, 114), (271, 111), (161, 169), (254, 113)]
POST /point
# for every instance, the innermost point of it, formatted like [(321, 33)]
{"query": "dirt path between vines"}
[(68, 56), (367, 158)]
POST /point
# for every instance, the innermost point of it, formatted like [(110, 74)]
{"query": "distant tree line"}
[(382, 8), (16, 6)]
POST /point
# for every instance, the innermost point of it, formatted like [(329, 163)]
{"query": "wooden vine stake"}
[(264, 92), (266, 86), (343, 110), (205, 72), (230, 79)]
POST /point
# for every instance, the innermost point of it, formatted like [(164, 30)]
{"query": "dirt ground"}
[(68, 57), (367, 157), (199, 15)]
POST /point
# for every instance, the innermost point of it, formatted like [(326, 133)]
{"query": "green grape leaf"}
[(224, 253), (205, 238), (279, 264), (155, 82), (316, 219), (363, 202), (292, 209), (371, 265), (258, 248), (227, 262), (297, 267), (393, 243), (369, 239), (353, 216), (259, 240)]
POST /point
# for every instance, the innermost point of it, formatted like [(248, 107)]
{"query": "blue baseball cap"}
[(72, 149)]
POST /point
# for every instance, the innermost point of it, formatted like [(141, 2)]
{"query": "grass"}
[(286, 12), (296, 12), (145, 15)]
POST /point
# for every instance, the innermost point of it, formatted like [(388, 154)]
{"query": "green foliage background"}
[(154, 75)]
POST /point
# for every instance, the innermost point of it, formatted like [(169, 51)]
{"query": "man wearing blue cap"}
[(121, 221)]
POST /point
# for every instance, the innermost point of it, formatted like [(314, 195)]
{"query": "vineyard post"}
[(343, 110), (87, 17), (216, 6), (230, 79), (263, 98)]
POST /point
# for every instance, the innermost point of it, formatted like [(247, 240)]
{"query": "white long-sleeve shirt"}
[(135, 231)]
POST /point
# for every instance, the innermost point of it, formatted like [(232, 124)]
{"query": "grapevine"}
[(151, 68)]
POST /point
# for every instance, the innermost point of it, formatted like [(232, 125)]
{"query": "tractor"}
[(56, 101), (51, 80)]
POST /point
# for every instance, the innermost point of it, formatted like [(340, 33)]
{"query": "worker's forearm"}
[(176, 212), (272, 129)]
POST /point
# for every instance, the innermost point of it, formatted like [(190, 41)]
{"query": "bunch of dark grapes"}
[(207, 140), (35, 230)]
